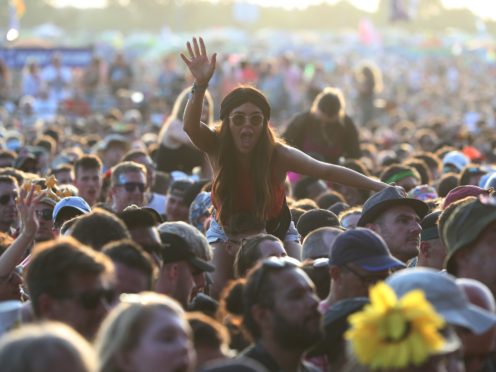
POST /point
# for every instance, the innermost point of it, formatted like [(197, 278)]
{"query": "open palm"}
[(201, 67)]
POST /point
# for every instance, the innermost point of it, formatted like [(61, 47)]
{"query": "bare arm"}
[(16, 252), (294, 160), (202, 69)]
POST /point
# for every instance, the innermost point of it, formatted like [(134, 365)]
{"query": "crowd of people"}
[(248, 217)]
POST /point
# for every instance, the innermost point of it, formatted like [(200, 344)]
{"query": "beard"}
[(297, 336)]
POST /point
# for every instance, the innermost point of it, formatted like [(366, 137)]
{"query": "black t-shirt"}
[(183, 159), (327, 143)]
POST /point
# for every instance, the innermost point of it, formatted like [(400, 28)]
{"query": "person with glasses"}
[(249, 162), (279, 313), (128, 184), (70, 282), (358, 259), (152, 199), (44, 212), (9, 190)]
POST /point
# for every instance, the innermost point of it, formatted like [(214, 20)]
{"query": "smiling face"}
[(246, 124)]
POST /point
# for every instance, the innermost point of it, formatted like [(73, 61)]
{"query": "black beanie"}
[(242, 95)]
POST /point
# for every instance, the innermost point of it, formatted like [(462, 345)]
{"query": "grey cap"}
[(448, 299)]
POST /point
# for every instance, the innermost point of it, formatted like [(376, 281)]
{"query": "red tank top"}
[(244, 201)]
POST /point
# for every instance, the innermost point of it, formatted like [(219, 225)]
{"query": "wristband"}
[(196, 86)]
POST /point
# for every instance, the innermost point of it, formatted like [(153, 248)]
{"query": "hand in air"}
[(201, 67)]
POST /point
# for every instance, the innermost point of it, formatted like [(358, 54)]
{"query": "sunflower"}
[(392, 333)]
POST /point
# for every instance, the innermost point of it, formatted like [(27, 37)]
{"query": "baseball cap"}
[(364, 248), (457, 159), (387, 198), (175, 248), (315, 218), (461, 192), (74, 202), (466, 223), (335, 323), (448, 299)]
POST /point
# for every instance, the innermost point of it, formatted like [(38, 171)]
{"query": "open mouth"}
[(246, 138)]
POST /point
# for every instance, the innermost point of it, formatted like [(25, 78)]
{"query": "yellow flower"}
[(392, 333)]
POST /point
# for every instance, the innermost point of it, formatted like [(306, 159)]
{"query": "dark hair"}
[(53, 263), (306, 204), (19, 175), (249, 253), (300, 189), (468, 171), (129, 253), (259, 290), (87, 162), (329, 198), (225, 180), (431, 159), (241, 95), (296, 213), (133, 154), (393, 169), (8, 179), (447, 183), (421, 167), (139, 217), (98, 228), (7, 154), (357, 165), (320, 277), (207, 332), (330, 102)]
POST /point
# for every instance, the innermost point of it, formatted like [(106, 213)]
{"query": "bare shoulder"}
[(282, 157)]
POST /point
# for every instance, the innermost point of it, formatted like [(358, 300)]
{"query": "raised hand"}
[(26, 205), (201, 67)]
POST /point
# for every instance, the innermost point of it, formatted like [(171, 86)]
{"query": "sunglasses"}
[(89, 300), (272, 264), (239, 119), (6, 198), (45, 214), (132, 186)]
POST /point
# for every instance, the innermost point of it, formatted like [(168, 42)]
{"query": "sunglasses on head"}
[(240, 119), (272, 264), (45, 214), (89, 300), (131, 186), (5, 198)]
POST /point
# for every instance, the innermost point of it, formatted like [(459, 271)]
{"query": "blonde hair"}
[(123, 328), (179, 107), (41, 347)]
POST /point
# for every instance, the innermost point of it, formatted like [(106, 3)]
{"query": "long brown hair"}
[(224, 183)]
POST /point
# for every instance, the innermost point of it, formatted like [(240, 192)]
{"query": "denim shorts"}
[(215, 233)]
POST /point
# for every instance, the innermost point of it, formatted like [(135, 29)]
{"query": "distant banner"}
[(16, 58)]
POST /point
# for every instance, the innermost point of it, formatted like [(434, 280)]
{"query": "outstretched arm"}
[(202, 69), (294, 160)]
